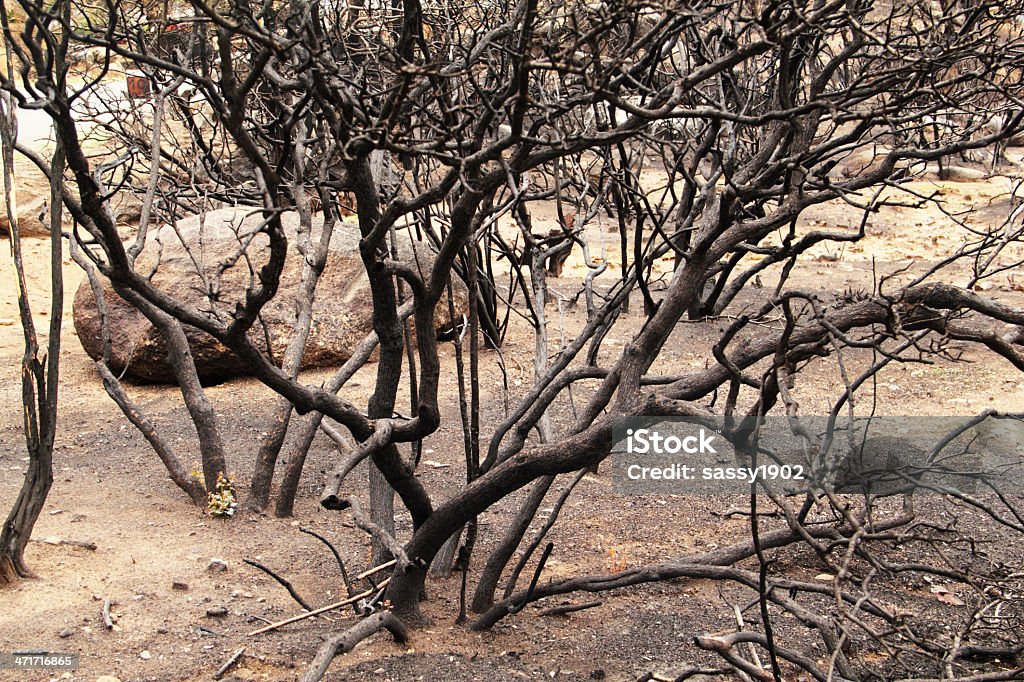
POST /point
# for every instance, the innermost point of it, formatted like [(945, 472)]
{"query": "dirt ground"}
[(153, 552)]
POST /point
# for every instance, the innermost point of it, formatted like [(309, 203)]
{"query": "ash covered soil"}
[(154, 551)]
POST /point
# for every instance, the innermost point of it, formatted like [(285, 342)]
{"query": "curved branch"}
[(343, 642)]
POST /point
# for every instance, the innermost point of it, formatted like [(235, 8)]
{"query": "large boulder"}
[(200, 254)]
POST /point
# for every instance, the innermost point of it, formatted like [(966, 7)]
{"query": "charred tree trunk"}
[(388, 326), (270, 445), (39, 376), (483, 598), (179, 358)]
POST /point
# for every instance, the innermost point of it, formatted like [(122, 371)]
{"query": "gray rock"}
[(190, 262)]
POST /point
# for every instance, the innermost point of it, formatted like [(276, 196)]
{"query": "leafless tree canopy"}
[(446, 120)]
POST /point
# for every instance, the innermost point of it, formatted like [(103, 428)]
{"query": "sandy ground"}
[(111, 490)]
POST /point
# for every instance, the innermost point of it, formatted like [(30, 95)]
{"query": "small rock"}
[(145, 655), (179, 585), (65, 633), (108, 678), (162, 631), (217, 566), (216, 612)]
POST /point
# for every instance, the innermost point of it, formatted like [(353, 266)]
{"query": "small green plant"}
[(223, 502)]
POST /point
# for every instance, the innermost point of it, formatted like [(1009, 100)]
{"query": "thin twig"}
[(376, 569), (322, 609), (536, 577), (284, 583), (227, 664), (349, 589)]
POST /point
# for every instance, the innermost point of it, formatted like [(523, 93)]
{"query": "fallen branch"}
[(982, 652), (999, 676), (85, 544), (322, 609), (343, 642), (228, 663), (741, 664), (711, 564), (376, 569), (723, 644), (107, 621), (684, 675), (570, 608), (283, 581)]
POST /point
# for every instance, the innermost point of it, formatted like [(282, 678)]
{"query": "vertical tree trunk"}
[(285, 504), (388, 326), (382, 512), (483, 597), (211, 446), (18, 527), (266, 457), (39, 377), (315, 261)]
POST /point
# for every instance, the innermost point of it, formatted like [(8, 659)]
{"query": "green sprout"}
[(223, 502)]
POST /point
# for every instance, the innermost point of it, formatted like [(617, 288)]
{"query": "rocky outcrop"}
[(198, 256)]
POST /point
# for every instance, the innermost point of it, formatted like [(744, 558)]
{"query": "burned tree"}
[(40, 364), (449, 122)]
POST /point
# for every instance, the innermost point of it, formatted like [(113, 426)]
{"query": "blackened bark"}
[(39, 378), (177, 471), (388, 326), (344, 642), (270, 445), (483, 597), (179, 358)]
